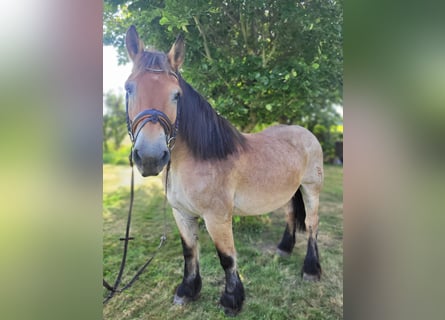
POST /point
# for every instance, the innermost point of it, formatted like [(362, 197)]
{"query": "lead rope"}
[(115, 289), (170, 143)]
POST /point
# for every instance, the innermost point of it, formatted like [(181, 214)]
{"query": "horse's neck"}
[(179, 154), (184, 163)]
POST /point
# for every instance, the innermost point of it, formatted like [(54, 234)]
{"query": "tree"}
[(258, 62), (114, 128)]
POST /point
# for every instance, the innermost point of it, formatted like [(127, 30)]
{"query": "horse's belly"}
[(255, 203)]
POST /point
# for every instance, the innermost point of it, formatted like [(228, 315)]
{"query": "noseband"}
[(154, 116)]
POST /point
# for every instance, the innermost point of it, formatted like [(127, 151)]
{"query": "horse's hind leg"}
[(220, 230), (295, 214), (191, 284), (311, 267)]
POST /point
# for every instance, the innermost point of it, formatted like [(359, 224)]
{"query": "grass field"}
[(274, 289)]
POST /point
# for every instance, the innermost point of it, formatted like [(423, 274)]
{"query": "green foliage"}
[(258, 62), (114, 129), (327, 137), (119, 156)]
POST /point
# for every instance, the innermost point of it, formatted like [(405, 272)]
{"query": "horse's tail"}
[(299, 210)]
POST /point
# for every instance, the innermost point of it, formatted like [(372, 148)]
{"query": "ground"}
[(274, 288)]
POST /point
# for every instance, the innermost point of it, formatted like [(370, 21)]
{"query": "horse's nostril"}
[(136, 155), (165, 156)]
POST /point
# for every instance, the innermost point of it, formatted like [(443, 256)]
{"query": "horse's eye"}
[(129, 87), (176, 96)]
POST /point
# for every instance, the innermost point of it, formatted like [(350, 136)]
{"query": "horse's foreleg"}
[(220, 230), (191, 283), (311, 267)]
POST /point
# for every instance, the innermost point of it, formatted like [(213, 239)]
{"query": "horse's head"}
[(152, 92)]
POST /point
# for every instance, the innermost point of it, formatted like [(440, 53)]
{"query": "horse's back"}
[(295, 135), (288, 142)]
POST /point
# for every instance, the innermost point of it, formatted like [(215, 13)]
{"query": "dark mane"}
[(207, 134)]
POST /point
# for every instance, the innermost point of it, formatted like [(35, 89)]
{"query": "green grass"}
[(274, 289)]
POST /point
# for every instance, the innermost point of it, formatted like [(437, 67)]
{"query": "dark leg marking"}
[(233, 296), (287, 242), (191, 284), (311, 267), (296, 218)]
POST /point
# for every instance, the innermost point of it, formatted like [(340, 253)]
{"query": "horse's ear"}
[(134, 45), (177, 53)]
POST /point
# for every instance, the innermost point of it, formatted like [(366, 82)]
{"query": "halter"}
[(154, 116)]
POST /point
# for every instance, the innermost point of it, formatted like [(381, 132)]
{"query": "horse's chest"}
[(197, 195), (181, 198)]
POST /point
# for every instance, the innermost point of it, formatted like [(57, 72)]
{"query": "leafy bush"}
[(327, 138), (257, 62), (117, 157)]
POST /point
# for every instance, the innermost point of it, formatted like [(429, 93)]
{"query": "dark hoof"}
[(233, 301), (180, 301), (311, 271), (311, 277), (188, 291), (232, 305), (283, 254)]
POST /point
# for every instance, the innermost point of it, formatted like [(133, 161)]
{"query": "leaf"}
[(268, 107), (164, 20), (264, 80), (315, 66)]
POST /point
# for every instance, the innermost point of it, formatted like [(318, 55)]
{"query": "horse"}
[(212, 171)]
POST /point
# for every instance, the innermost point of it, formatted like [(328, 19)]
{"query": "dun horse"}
[(214, 171)]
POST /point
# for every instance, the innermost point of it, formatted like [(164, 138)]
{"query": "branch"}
[(243, 28), (234, 21), (201, 32)]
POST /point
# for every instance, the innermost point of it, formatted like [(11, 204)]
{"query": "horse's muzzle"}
[(150, 163)]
